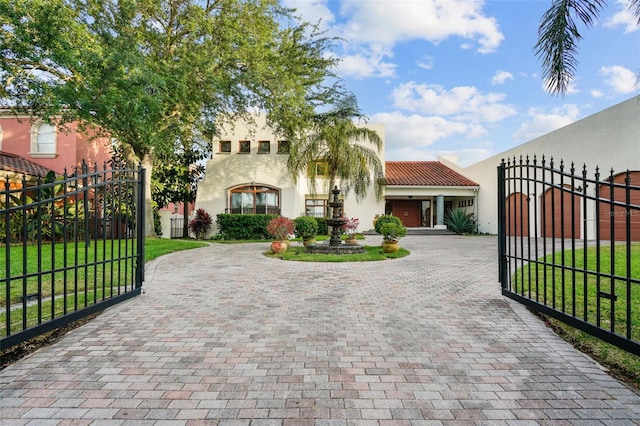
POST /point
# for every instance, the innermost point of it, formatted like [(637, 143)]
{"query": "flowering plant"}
[(350, 227), (201, 223), (281, 227)]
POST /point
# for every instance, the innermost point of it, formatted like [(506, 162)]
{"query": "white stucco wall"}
[(228, 170), (608, 139)]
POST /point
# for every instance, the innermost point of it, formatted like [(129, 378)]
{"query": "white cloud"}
[(465, 103), (597, 93), (313, 11), (426, 63), (501, 77), (362, 66), (414, 130), (620, 79), (387, 23), (623, 18), (371, 29), (542, 122)]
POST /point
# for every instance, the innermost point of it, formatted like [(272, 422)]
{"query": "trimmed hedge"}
[(243, 226)]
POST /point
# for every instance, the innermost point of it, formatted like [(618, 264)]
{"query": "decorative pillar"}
[(440, 212)]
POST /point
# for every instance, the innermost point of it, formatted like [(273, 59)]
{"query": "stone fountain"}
[(336, 222)]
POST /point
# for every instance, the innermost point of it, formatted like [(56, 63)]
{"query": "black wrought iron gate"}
[(569, 246), (71, 245)]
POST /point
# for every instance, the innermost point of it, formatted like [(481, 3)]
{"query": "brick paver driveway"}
[(224, 335)]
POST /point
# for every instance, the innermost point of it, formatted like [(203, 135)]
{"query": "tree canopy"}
[(558, 38), (153, 73)]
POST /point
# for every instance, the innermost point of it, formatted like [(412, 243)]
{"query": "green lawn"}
[(97, 278), (372, 253), (544, 282), (576, 292)]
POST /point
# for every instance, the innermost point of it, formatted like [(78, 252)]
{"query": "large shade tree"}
[(153, 73), (336, 148), (558, 38)]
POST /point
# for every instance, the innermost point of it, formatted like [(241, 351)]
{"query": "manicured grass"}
[(96, 278), (156, 247), (576, 293), (372, 253), (96, 256)]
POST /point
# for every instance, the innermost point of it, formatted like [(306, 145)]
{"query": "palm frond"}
[(558, 38)]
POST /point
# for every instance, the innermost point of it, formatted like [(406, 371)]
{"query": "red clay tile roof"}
[(423, 173), (16, 164)]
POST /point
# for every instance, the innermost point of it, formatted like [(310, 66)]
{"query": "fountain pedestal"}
[(336, 222)]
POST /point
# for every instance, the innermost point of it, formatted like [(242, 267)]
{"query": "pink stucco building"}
[(28, 141)]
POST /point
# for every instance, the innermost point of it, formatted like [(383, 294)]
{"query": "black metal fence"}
[(71, 245), (177, 227), (569, 246)]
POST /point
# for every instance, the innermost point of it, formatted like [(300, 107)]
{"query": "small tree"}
[(201, 223), (390, 227)]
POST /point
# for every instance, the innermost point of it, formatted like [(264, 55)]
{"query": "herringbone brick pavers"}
[(226, 336)]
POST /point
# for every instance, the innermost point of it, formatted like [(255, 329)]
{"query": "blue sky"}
[(453, 77)]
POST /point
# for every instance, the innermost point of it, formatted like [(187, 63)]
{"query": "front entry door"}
[(408, 211)]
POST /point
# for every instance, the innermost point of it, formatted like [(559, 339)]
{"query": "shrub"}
[(460, 222), (323, 228), (306, 227), (386, 218), (281, 227), (201, 223), (390, 227), (243, 226), (392, 231)]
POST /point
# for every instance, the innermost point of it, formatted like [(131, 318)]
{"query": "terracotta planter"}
[(390, 246), (279, 247), (351, 241), (308, 242)]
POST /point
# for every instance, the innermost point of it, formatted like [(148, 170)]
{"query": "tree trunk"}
[(185, 220), (147, 164)]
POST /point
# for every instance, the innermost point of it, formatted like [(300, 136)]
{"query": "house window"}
[(283, 147), (264, 147), (316, 208), (224, 147), (43, 140), (320, 168), (245, 147), (253, 199)]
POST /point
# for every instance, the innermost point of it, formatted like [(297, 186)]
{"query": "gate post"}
[(141, 226), (502, 238)]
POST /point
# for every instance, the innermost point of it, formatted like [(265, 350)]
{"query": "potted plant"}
[(307, 229), (280, 228), (391, 229), (350, 229)]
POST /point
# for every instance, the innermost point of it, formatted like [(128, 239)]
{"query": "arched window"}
[(254, 199), (43, 140)]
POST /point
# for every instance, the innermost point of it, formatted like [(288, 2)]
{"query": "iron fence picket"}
[(542, 270), (80, 278)]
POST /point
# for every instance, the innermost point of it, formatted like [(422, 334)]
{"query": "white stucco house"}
[(247, 173)]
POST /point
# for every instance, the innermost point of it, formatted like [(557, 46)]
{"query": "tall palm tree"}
[(334, 148), (558, 38)]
